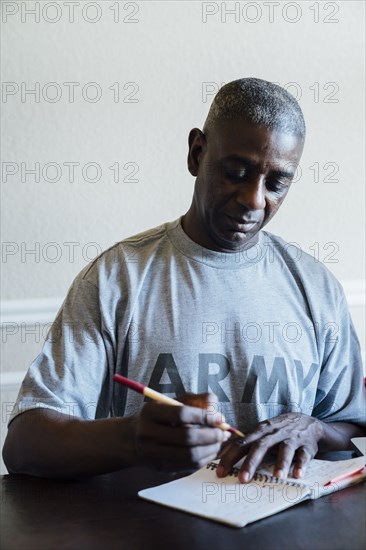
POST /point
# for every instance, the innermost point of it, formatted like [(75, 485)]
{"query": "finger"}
[(188, 436), (232, 453), (213, 408), (208, 455), (176, 416), (225, 446), (167, 458), (286, 451), (255, 456), (208, 401), (303, 457), (266, 435)]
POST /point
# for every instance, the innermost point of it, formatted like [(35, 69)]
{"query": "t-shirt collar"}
[(219, 260)]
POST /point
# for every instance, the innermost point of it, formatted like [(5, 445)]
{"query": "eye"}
[(276, 186), (235, 175), (234, 172)]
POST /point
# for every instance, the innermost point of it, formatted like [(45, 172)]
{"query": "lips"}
[(243, 225)]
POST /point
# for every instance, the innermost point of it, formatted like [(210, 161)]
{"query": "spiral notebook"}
[(228, 501)]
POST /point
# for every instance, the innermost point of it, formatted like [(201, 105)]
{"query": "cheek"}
[(215, 195), (206, 203), (272, 205)]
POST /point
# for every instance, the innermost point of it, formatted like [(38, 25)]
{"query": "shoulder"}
[(315, 278), (128, 254)]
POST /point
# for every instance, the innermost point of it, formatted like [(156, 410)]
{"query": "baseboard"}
[(36, 310), (11, 380), (355, 291)]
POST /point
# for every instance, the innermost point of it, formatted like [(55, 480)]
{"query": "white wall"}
[(175, 61)]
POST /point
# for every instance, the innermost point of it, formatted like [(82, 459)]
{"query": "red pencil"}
[(343, 476), (145, 390)]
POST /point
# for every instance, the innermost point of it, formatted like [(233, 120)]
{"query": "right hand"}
[(179, 438)]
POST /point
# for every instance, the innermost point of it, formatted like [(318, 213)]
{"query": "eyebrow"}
[(252, 164)]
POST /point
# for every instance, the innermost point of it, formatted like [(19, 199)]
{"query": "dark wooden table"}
[(105, 512)]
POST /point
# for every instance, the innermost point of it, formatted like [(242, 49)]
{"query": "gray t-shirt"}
[(268, 330)]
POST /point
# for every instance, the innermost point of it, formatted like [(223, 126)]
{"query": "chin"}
[(234, 243)]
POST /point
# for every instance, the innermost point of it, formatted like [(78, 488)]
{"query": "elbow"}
[(15, 453), (10, 458)]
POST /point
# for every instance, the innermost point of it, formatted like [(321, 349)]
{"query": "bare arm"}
[(37, 444), (337, 436), (165, 436)]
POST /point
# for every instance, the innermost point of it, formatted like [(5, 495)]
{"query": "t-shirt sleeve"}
[(340, 394), (70, 375)]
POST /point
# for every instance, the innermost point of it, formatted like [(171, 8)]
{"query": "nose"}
[(251, 194)]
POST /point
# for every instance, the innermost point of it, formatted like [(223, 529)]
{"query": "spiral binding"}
[(262, 478)]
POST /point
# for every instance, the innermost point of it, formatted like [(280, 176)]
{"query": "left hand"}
[(296, 435)]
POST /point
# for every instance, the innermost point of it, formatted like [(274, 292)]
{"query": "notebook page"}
[(225, 499), (322, 471)]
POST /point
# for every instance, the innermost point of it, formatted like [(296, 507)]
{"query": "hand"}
[(296, 436), (177, 438)]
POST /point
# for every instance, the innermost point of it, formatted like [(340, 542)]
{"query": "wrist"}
[(336, 436), (127, 441), (320, 430)]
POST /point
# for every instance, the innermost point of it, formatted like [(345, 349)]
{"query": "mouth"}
[(242, 225)]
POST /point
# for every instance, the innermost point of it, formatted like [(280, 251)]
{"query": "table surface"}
[(104, 512)]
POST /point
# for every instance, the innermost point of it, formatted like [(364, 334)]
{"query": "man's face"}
[(244, 172)]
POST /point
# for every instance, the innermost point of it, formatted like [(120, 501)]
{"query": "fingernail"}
[(214, 418), (299, 472), (279, 473), (244, 477), (220, 471)]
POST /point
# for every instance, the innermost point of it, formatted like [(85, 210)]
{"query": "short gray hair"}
[(258, 101)]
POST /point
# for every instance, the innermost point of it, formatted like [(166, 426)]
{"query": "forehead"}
[(241, 138)]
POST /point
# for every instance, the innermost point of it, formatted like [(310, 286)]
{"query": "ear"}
[(197, 147)]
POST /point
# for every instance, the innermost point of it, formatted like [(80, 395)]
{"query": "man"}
[(209, 303)]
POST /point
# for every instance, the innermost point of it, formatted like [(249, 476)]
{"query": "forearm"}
[(37, 444), (337, 436)]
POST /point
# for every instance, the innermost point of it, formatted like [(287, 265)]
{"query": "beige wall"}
[(166, 59)]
